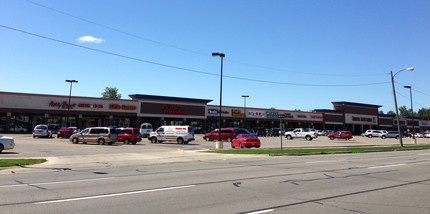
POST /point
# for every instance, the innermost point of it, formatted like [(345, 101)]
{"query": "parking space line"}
[(384, 166)]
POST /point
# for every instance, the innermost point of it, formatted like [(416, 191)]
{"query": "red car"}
[(246, 140), (66, 132), (340, 135), (227, 134), (128, 135)]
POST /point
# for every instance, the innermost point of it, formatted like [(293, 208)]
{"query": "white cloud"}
[(91, 39)]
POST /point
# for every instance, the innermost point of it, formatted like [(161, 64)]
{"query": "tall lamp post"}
[(395, 102), (244, 108), (219, 144), (412, 109), (70, 97)]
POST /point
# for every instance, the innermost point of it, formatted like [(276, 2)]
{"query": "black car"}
[(274, 132), (261, 132)]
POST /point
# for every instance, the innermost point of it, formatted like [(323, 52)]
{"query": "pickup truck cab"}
[(301, 133)]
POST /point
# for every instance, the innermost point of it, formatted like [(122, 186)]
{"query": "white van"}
[(145, 129), (180, 134)]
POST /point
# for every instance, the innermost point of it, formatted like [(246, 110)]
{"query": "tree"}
[(111, 93), (403, 111), (381, 112), (391, 112), (424, 113)]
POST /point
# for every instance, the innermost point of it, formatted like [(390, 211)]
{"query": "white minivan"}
[(180, 134), (145, 129)]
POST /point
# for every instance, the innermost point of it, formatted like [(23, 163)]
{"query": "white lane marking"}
[(262, 211), (112, 195), (58, 182), (376, 167)]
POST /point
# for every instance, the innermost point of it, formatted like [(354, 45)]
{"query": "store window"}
[(19, 124)]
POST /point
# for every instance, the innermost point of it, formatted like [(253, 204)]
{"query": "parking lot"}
[(62, 154), (27, 146)]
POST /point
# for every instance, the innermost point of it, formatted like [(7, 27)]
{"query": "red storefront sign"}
[(171, 110)]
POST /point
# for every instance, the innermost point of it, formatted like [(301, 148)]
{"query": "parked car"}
[(340, 135), (42, 131), (180, 134), (128, 135), (261, 132), (6, 143), (227, 134), (407, 134), (246, 140), (66, 132), (372, 133), (274, 132), (419, 135), (427, 134), (100, 135), (390, 134), (320, 133), (145, 129)]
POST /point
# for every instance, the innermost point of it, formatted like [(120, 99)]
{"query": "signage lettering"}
[(213, 111), (171, 110), (63, 105)]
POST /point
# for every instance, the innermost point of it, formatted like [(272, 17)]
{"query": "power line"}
[(185, 69), (183, 49)]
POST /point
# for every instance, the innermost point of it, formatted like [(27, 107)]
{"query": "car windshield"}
[(41, 127), (248, 136)]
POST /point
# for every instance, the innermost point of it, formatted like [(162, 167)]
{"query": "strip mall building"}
[(21, 112)]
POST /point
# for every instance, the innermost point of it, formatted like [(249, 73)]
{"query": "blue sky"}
[(283, 54)]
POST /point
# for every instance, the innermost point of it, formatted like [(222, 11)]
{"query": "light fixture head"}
[(410, 69)]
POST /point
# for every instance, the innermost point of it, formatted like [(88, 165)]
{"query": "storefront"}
[(21, 112), (161, 110)]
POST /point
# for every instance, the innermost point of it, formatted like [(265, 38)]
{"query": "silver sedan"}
[(6, 143)]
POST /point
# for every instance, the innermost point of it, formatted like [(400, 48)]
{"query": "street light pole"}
[(219, 144), (412, 112), (244, 108), (70, 97), (395, 103)]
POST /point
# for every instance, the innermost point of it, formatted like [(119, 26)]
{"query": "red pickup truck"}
[(340, 135)]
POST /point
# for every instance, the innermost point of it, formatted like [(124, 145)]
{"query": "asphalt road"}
[(383, 182)]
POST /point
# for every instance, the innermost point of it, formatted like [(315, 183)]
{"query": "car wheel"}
[(75, 140), (180, 141), (58, 136), (289, 137), (208, 139), (308, 137), (240, 144), (232, 145), (134, 143), (34, 136), (110, 143), (397, 137), (331, 138), (101, 141), (126, 141), (229, 139), (1, 148), (257, 147), (153, 140), (370, 136), (383, 137)]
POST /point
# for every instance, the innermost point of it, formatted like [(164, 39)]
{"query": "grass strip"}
[(20, 162), (319, 150)]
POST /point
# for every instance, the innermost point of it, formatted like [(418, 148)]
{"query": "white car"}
[(6, 143), (427, 134)]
